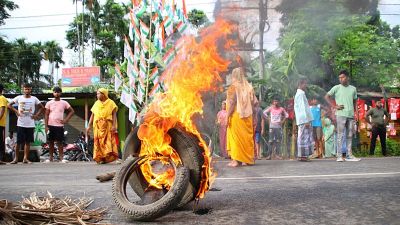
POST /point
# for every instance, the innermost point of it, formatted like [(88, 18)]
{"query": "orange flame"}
[(195, 70)]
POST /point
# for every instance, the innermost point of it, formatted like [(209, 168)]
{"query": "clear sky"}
[(33, 21)]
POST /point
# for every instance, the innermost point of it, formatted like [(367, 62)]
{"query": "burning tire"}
[(141, 210), (190, 152)]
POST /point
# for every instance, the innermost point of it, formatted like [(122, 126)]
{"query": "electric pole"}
[(263, 18)]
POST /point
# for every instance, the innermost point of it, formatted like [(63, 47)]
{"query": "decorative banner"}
[(361, 109), (392, 129)]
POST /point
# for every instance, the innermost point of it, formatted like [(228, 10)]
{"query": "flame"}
[(195, 70)]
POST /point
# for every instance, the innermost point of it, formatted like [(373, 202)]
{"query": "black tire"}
[(189, 150), (153, 210)]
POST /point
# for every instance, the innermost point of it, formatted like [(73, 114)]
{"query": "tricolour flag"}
[(154, 75), (140, 90), (156, 89), (142, 67), (139, 8), (182, 27), (144, 30), (169, 56), (128, 51), (126, 98), (179, 44), (131, 72), (168, 25), (132, 112), (118, 78)]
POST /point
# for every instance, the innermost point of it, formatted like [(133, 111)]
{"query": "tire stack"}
[(185, 186)]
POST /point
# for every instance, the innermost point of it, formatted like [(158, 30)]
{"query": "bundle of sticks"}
[(49, 210)]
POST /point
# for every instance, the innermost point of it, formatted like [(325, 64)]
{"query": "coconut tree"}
[(53, 53)]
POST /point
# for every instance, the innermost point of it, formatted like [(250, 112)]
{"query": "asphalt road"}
[(270, 192)]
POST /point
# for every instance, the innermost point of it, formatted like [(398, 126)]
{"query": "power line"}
[(15, 28), (47, 15)]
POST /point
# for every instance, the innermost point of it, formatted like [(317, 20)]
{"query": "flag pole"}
[(148, 63)]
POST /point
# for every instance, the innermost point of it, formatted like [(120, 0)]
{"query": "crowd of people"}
[(29, 108), (242, 123)]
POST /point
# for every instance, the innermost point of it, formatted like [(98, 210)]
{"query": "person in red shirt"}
[(54, 122)]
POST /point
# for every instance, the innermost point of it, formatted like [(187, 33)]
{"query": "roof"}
[(43, 96), (371, 94)]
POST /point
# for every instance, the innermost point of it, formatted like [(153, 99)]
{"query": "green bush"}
[(393, 147)]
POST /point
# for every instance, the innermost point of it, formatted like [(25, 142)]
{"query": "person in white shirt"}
[(303, 120), (26, 120)]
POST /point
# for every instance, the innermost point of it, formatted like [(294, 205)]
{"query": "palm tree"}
[(53, 53)]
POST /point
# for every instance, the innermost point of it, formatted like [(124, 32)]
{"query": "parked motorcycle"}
[(77, 151)]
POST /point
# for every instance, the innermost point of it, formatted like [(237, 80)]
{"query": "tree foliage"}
[(197, 18), (320, 38), (4, 6)]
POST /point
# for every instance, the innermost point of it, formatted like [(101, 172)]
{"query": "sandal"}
[(26, 162), (14, 162)]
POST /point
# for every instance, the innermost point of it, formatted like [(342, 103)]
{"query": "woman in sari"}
[(240, 132), (104, 122)]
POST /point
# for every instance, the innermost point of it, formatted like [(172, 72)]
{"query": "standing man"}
[(26, 120), (303, 122), (54, 122), (378, 117), (345, 96), (276, 118), (3, 115)]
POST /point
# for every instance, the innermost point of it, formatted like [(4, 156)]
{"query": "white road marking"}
[(309, 176)]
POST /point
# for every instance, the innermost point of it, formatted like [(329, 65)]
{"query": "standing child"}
[(329, 138), (317, 127), (54, 122), (26, 120), (277, 116), (10, 144)]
